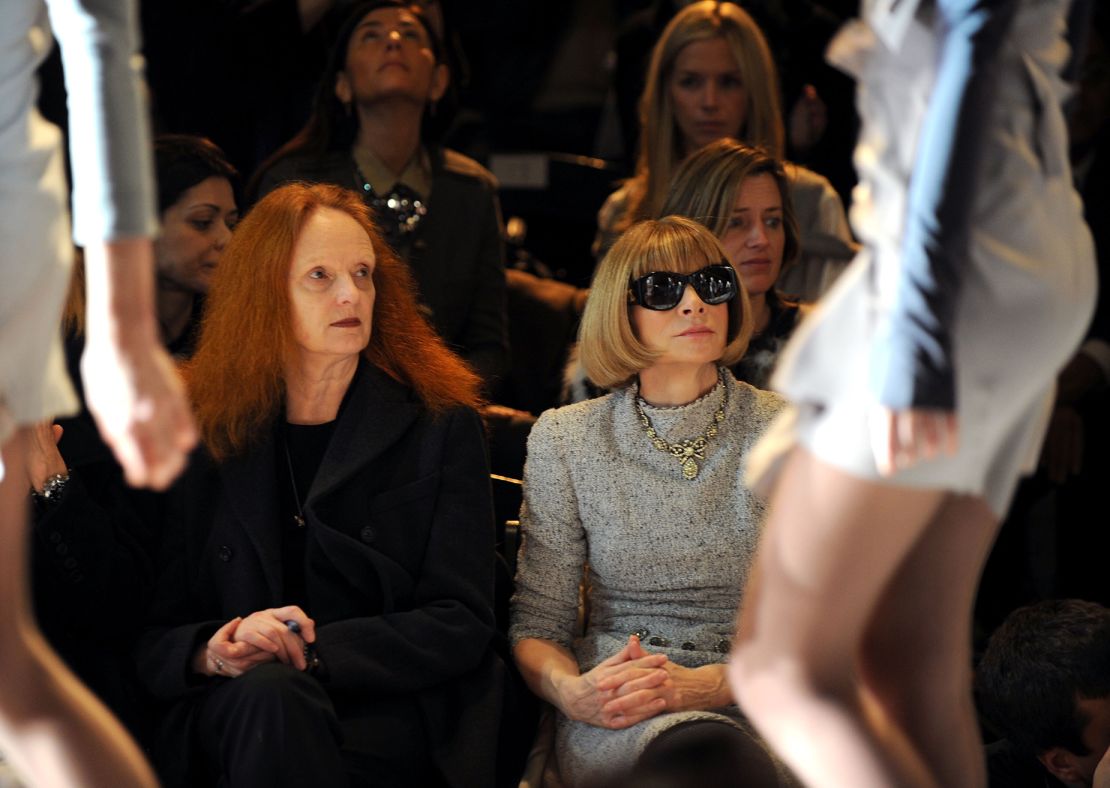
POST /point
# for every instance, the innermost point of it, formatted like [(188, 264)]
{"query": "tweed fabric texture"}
[(665, 555)]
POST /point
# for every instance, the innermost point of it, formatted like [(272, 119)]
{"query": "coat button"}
[(55, 537), (70, 563), (367, 535), (656, 640), (723, 646), (688, 645), (224, 553)]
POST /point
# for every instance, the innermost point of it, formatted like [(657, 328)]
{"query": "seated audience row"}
[(711, 76)]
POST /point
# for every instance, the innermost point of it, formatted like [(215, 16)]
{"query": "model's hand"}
[(584, 697), (902, 438), (686, 689), (43, 458), (131, 386), (138, 401)]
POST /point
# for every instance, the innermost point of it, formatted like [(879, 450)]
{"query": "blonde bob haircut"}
[(661, 145), (707, 184), (610, 352)]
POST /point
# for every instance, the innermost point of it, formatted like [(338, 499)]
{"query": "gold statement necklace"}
[(687, 452)]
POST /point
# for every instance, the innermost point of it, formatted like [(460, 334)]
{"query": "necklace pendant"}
[(299, 521), (689, 469)]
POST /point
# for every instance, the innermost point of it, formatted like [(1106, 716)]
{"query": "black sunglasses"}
[(662, 290)]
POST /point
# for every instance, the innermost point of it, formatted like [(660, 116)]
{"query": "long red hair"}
[(235, 378)]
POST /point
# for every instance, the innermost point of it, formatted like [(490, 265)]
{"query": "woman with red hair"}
[(324, 613)]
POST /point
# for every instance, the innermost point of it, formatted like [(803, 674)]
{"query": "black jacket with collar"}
[(399, 567)]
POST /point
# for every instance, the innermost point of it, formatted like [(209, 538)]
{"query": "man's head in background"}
[(1044, 681)]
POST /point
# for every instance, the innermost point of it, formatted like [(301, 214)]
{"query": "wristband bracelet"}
[(53, 488)]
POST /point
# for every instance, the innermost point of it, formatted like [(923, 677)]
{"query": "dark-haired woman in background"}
[(437, 209), (324, 605)]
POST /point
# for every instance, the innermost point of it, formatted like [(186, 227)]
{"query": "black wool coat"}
[(399, 569)]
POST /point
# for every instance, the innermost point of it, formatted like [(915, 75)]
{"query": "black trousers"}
[(276, 726)]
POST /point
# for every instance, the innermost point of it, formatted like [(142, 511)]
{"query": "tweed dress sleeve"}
[(554, 549)]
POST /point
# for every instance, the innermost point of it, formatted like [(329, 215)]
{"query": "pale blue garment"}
[(113, 195), (913, 357), (998, 313)]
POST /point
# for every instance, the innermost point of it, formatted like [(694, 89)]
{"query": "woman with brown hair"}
[(324, 610), (743, 196), (711, 77)]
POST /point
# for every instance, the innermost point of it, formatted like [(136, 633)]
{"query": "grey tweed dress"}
[(666, 555)]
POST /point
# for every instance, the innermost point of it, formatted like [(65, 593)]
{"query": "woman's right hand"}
[(43, 458), (584, 697), (244, 643)]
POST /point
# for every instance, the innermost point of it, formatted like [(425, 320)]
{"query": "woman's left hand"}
[(902, 438), (686, 689)]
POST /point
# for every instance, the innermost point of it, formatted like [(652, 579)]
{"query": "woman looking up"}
[(711, 76), (642, 485), (438, 209)]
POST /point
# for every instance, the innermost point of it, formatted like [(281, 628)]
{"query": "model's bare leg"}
[(917, 653), (52, 729), (831, 546)]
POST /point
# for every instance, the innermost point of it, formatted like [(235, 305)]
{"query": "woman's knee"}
[(275, 686)]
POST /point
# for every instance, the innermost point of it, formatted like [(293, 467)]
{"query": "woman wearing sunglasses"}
[(642, 486)]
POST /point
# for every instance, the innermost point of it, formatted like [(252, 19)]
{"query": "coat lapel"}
[(377, 412), (251, 489)]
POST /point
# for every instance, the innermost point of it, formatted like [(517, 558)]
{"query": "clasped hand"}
[(634, 685), (244, 643)]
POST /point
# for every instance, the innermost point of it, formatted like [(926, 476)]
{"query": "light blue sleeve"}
[(109, 139), (913, 364)]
